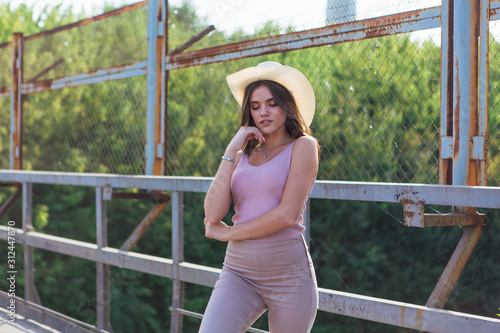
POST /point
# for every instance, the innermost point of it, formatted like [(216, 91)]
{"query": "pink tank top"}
[(258, 189)]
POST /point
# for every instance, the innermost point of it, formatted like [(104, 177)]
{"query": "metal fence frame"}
[(395, 313), (462, 150)]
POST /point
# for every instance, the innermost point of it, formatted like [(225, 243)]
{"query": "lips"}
[(266, 122)]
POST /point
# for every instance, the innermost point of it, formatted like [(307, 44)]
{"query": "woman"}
[(268, 170)]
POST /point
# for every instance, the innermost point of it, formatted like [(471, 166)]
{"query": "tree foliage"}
[(377, 119)]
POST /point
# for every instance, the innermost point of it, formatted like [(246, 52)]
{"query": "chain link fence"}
[(5, 81), (494, 107), (378, 99)]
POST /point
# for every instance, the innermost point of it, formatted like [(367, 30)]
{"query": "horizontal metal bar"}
[(83, 22), (166, 183), (403, 314), (453, 219), (375, 27), (363, 307), (198, 274), (106, 255), (494, 10), (5, 92), (46, 316), (153, 195), (186, 312), (103, 75), (446, 195)]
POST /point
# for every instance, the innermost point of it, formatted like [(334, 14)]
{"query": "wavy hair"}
[(294, 122)]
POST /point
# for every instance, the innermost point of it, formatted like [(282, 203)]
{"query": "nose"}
[(264, 110)]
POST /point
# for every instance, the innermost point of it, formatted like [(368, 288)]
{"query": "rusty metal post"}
[(480, 150), (16, 116), (177, 258), (102, 270), (466, 145), (446, 126), (465, 76), (30, 291), (155, 131)]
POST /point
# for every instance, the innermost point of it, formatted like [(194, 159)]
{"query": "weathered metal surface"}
[(45, 316), (403, 314), (446, 119), (380, 310), (376, 27), (152, 195), (476, 196), (155, 111), (193, 40), (478, 148), (103, 301), (6, 44), (413, 213), (446, 148), (30, 292), (10, 201), (484, 64), (5, 92), (104, 75), (143, 226), (111, 256), (494, 11), (16, 114), (406, 22), (46, 70), (97, 18), (454, 268), (198, 274), (454, 219), (177, 257), (465, 77)]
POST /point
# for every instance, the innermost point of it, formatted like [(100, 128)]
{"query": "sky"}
[(228, 15)]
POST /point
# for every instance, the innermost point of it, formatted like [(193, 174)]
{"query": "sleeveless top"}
[(258, 189)]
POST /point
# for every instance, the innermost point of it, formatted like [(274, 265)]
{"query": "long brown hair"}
[(294, 122)]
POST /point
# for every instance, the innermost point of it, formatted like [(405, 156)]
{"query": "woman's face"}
[(266, 114)]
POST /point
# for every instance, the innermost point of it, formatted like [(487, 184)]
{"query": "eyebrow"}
[(270, 99)]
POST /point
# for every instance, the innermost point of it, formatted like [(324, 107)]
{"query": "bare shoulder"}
[(306, 145)]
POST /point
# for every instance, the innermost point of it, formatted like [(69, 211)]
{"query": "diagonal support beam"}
[(136, 235), (454, 268), (10, 201)]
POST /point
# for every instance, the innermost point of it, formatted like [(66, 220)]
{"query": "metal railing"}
[(138, 154), (357, 306), (366, 100)]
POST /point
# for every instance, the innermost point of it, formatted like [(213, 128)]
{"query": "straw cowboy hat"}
[(288, 77)]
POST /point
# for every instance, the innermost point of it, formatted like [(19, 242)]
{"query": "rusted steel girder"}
[(358, 30), (463, 126), (155, 122), (16, 116), (455, 266), (139, 231), (83, 22), (10, 201)]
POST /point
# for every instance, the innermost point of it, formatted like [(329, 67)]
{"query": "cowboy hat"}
[(288, 77)]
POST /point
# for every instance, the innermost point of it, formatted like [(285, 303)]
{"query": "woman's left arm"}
[(303, 170)]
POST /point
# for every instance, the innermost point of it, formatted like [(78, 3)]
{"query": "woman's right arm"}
[(219, 198)]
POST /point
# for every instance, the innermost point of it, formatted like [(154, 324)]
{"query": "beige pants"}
[(275, 276)]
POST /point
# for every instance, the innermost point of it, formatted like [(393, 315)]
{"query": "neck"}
[(274, 140)]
